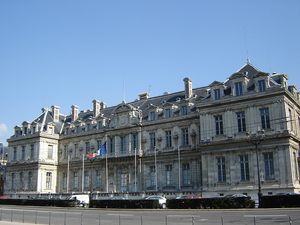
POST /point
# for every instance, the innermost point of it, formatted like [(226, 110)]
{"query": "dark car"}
[(190, 197)]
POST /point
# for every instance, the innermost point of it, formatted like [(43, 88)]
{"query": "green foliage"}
[(129, 204), (279, 201)]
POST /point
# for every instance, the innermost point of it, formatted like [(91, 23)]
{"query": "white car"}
[(162, 200)]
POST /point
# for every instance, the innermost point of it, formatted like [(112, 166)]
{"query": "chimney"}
[(188, 87), (55, 113), (74, 112), (96, 107), (103, 105), (144, 95)]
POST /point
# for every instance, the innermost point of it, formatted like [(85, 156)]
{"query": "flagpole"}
[(106, 173), (155, 168), (178, 167), (134, 169), (82, 177), (68, 175)]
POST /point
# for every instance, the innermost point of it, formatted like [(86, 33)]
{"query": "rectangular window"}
[(13, 181), (15, 153), (134, 143), (269, 166), (100, 125), (241, 121), (123, 145), (217, 94), (291, 119), (261, 85), (29, 180), (244, 166), (50, 151), (87, 147), (111, 145), (152, 141), (98, 179), (296, 166), (48, 180), (67, 131), (152, 176), (75, 150), (169, 175), (152, 116), (88, 127), (184, 110), (168, 139), (86, 179), (238, 89), (265, 118), (77, 129), (123, 181), (219, 125), (65, 152), (221, 169), (21, 181), (75, 179), (186, 177), (33, 130), (64, 180), (168, 113), (185, 136), (32, 151), (23, 152)]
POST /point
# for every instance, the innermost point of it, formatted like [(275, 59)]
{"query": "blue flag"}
[(1, 150), (102, 150)]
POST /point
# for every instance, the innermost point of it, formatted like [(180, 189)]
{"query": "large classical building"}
[(202, 141)]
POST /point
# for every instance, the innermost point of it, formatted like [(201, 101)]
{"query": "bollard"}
[(119, 219), (254, 222), (1, 215), (99, 219), (23, 217), (222, 221), (36, 217), (141, 219), (81, 219), (49, 218), (193, 222), (290, 218), (166, 220), (11, 215), (65, 223)]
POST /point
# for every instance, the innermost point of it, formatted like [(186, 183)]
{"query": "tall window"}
[(152, 176), (98, 179), (123, 145), (184, 110), (88, 127), (265, 118), (67, 131), (238, 89), (100, 125), (244, 166), (241, 121), (86, 179), (261, 85), (291, 119), (75, 179), (65, 152), (75, 150), (185, 136), (217, 94), (111, 145), (50, 151), (134, 142), (219, 125), (23, 152), (168, 113), (48, 180), (21, 181), (87, 147), (123, 180), (15, 153), (29, 180), (77, 129), (13, 181), (31, 151), (168, 139), (64, 180), (99, 144), (152, 116), (221, 169), (152, 141), (269, 166), (186, 177), (168, 175)]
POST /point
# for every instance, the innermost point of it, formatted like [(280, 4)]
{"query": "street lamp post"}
[(257, 142)]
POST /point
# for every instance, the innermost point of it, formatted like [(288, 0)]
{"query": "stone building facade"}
[(195, 141)]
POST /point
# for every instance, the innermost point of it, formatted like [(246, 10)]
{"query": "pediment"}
[(216, 83), (123, 107), (237, 75)]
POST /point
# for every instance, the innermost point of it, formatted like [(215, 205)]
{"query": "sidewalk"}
[(14, 223)]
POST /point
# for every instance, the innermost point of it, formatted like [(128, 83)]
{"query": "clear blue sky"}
[(70, 52)]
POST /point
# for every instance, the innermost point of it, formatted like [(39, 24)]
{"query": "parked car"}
[(162, 200), (117, 198), (289, 193), (41, 198), (190, 197), (237, 203), (236, 196)]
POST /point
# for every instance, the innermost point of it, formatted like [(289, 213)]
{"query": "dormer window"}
[(25, 130), (238, 89), (77, 129), (184, 110), (168, 113), (33, 130), (100, 125), (88, 127), (67, 131), (152, 115), (261, 85), (217, 94)]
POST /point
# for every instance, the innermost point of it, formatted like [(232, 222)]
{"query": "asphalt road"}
[(14, 215)]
